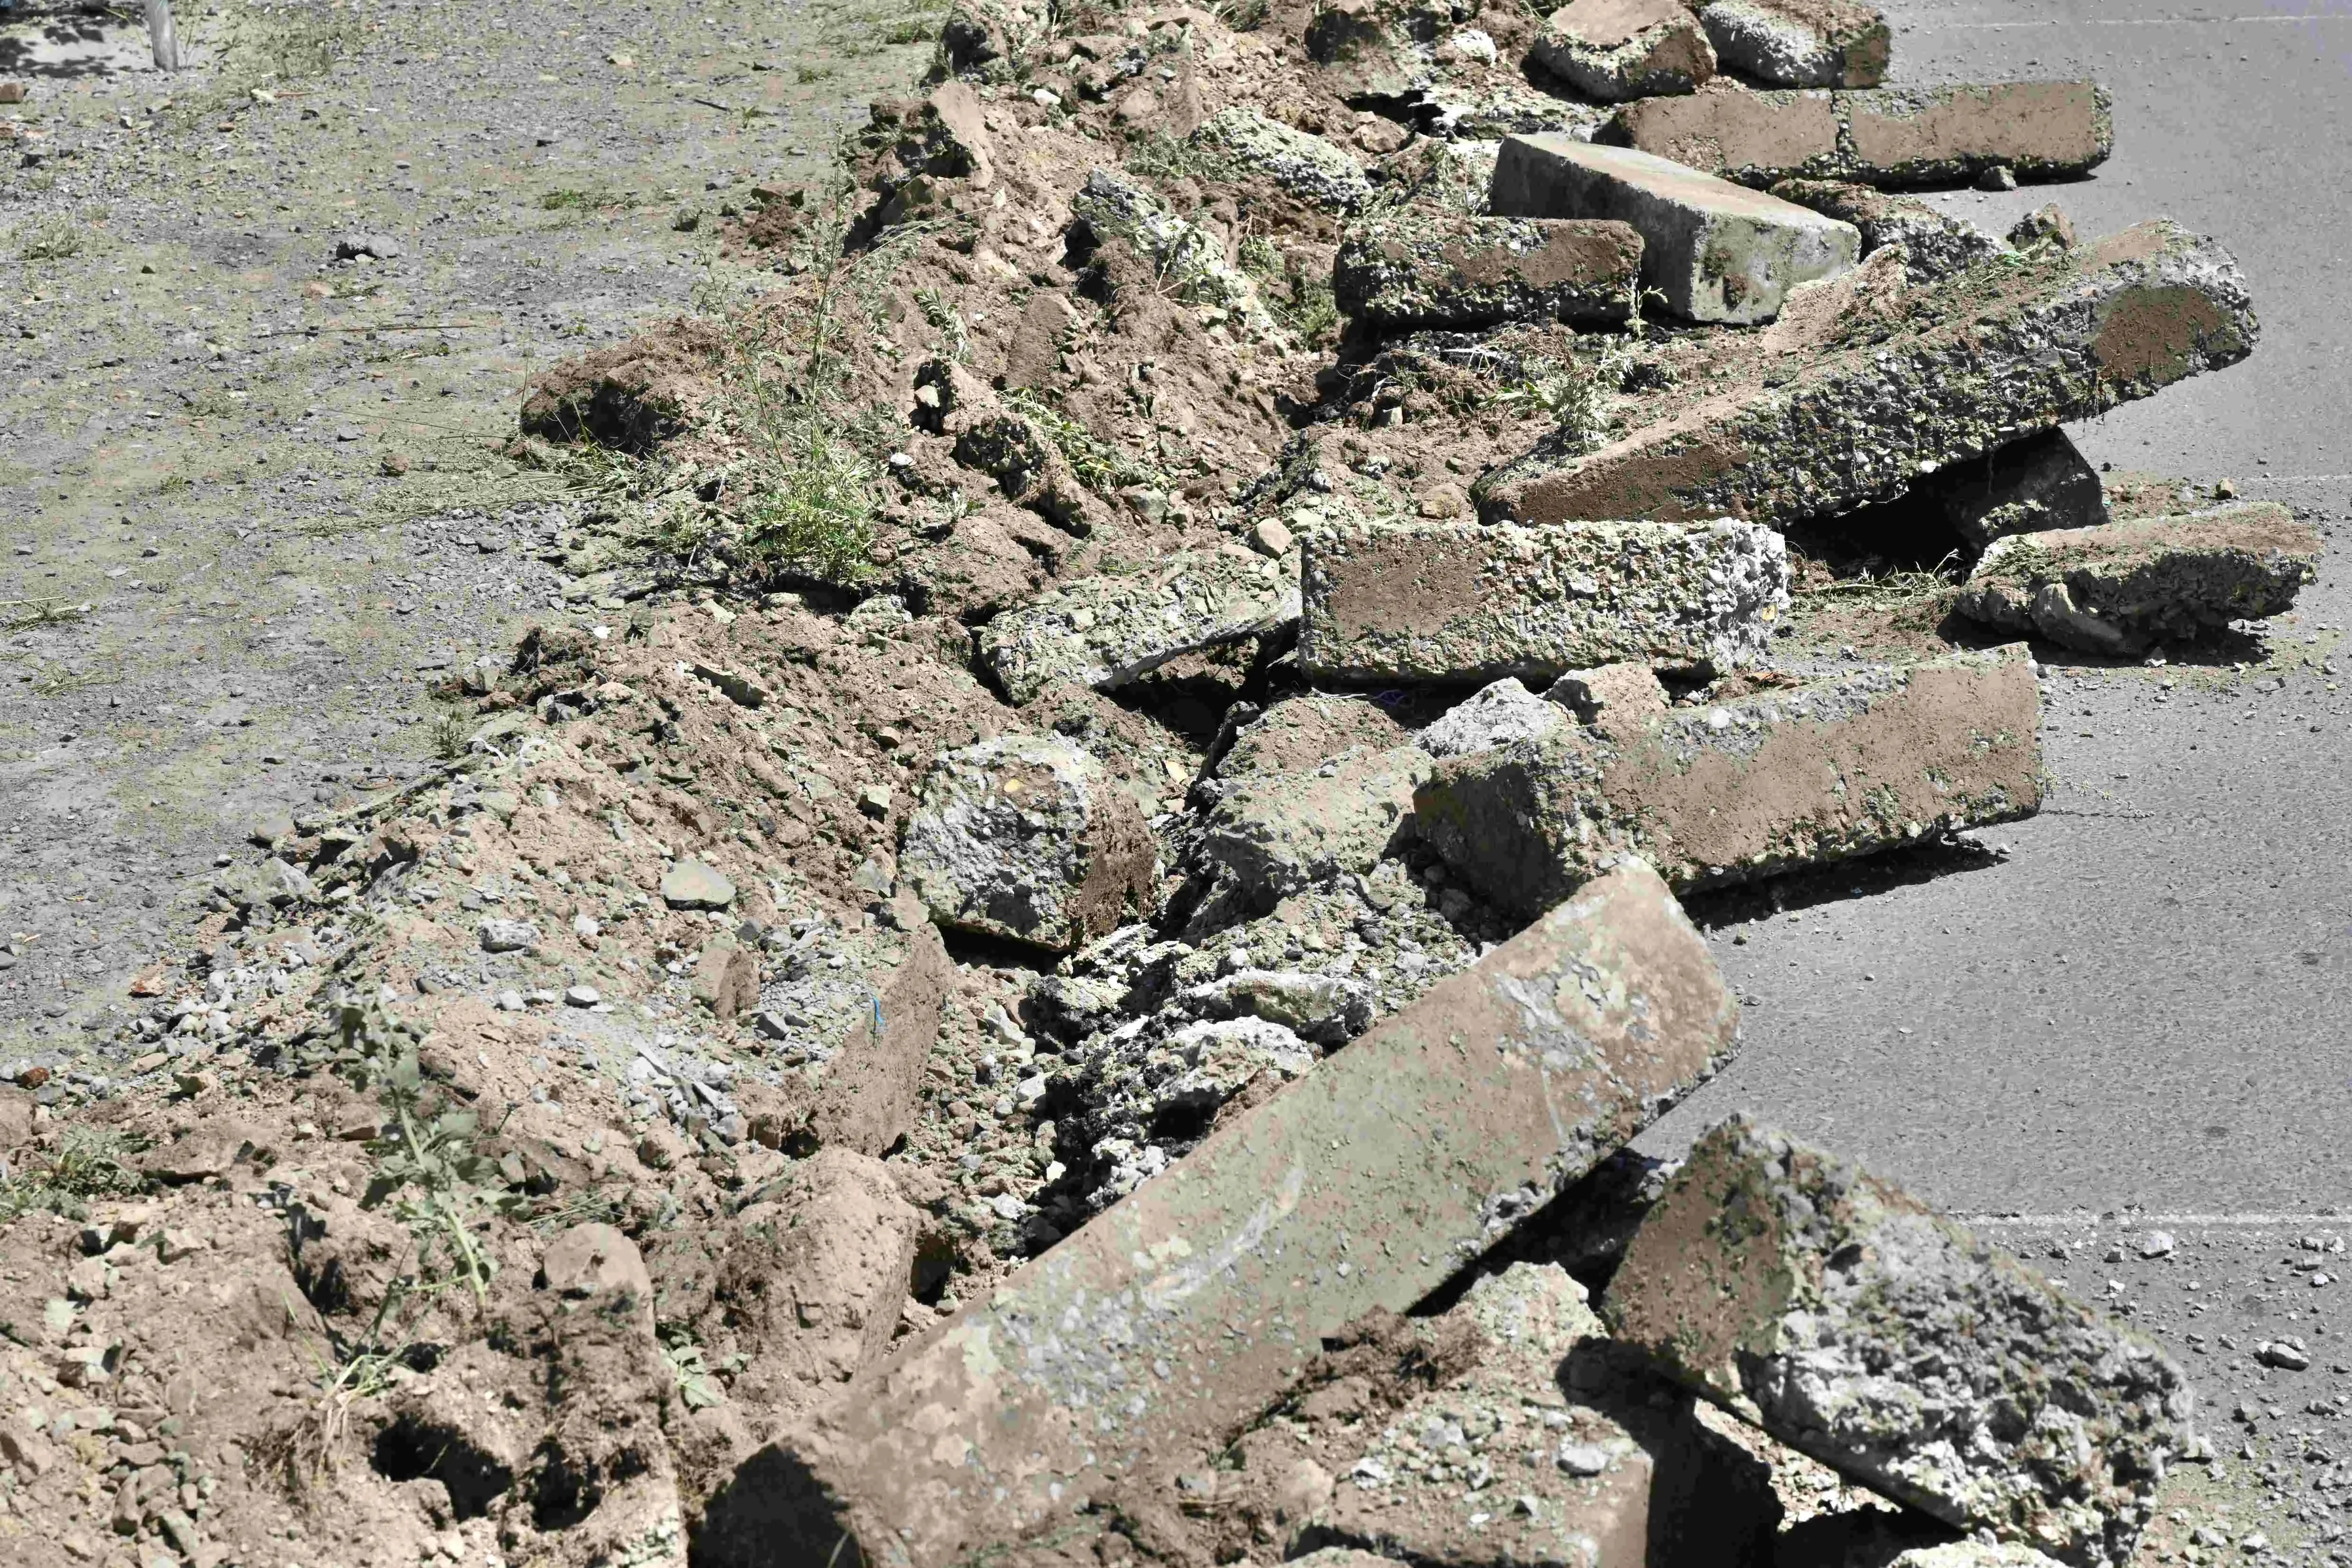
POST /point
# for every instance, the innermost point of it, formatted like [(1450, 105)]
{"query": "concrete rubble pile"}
[(1015, 1033)]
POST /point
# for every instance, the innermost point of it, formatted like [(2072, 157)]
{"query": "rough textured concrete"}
[(1465, 601), (1025, 837), (1619, 701), (1245, 144), (1273, 833), (1934, 246), (1619, 49), (1716, 251), (1984, 361), (1866, 762), (1493, 715), (2028, 486), (1889, 137), (1850, 1321), (1107, 630), (1417, 269), (2116, 589), (1171, 1321), (1799, 42)]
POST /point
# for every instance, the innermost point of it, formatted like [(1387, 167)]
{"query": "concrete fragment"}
[(1025, 837), (1716, 251), (1366, 50), (1867, 761), (1495, 716), (2045, 225), (1271, 834), (1887, 137), (1162, 1327), (1799, 42), (1934, 246), (1191, 263), (1242, 143), (1010, 448), (1105, 632), (1973, 1554), (1469, 602), (2062, 336), (1328, 1010), (1852, 1322), (726, 979), (689, 883), (1619, 49), (2026, 487), (1421, 269), (1143, 1096), (1620, 701), (2118, 588)]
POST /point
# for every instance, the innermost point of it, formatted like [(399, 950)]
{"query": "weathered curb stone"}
[(1841, 1315), (1421, 269), (2026, 487), (1716, 251), (2015, 350), (1170, 1322), (1619, 49), (1105, 632), (1934, 246), (1887, 137), (1025, 837), (1244, 142), (1799, 42), (2118, 588), (1749, 789), (1463, 601), (1275, 833)]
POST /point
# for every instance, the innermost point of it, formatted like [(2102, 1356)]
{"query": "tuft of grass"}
[(1298, 298), (1155, 154), (1098, 465), (811, 507), (54, 239), (570, 199), (89, 1162), (25, 614), (449, 736)]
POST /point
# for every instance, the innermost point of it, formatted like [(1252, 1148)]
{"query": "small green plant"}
[(449, 736), (56, 239), (89, 1162), (808, 74), (1298, 298), (1098, 465), (814, 510), (1155, 155), (569, 199), (696, 1385), (428, 1172), (955, 340)]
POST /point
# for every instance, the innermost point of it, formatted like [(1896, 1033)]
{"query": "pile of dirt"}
[(508, 1158)]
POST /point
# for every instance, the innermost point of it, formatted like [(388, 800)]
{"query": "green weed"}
[(89, 1162), (1098, 465), (1298, 297), (55, 239)]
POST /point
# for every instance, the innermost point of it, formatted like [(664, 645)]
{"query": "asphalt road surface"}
[(2141, 1019)]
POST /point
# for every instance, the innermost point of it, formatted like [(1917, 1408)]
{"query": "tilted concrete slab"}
[(1799, 42), (1745, 790), (1996, 355), (2116, 589), (1844, 1317), (1619, 49), (1889, 137), (1468, 601), (1169, 1323), (1419, 268), (1716, 251)]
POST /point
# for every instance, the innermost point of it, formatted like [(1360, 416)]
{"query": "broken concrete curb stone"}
[(2014, 351), (1026, 837), (1172, 1320), (2116, 589), (1887, 137), (1716, 251), (1934, 246), (1416, 267), (1786, 1285), (1269, 834), (1619, 49), (1105, 632), (1465, 601), (865, 1102), (1743, 789), (1799, 42), (1241, 142)]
